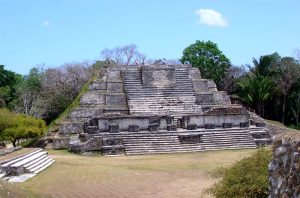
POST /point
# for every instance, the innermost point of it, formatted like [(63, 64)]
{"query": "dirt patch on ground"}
[(172, 175)]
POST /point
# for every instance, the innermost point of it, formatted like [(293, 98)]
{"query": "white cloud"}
[(46, 23), (211, 17)]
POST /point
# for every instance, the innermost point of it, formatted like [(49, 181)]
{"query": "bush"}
[(246, 178)]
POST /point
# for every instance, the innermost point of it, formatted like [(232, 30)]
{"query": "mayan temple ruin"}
[(143, 109)]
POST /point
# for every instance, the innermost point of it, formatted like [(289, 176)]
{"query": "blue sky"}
[(55, 32)]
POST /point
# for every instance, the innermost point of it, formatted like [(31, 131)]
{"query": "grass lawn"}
[(165, 175)]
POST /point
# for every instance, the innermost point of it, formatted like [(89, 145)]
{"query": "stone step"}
[(37, 163), (26, 166), (17, 159), (41, 165), (20, 178), (46, 165), (29, 159)]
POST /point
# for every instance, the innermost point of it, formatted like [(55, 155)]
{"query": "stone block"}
[(153, 127), (169, 120), (191, 126), (244, 124), (94, 97), (209, 126), (171, 127), (158, 77), (61, 143), (194, 73), (83, 137), (118, 111), (111, 141), (92, 129), (260, 135), (190, 138), (15, 171), (114, 128), (227, 125), (221, 97), (211, 85), (93, 144), (114, 75), (71, 127), (113, 150), (154, 120), (133, 128), (97, 85), (85, 113), (116, 100), (204, 98), (260, 124), (76, 148), (200, 86), (115, 87)]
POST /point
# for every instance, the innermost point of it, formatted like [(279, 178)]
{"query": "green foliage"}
[(255, 91), (206, 56), (272, 88), (8, 83), (263, 66), (14, 127), (246, 178)]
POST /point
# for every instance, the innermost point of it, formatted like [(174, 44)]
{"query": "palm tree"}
[(263, 66), (255, 91)]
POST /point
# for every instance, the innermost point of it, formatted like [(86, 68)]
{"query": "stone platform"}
[(142, 109)]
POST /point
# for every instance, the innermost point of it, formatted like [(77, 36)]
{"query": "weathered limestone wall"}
[(284, 170), (218, 120), (126, 121)]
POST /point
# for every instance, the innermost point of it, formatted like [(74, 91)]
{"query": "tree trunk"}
[(283, 109), (297, 111), (14, 141)]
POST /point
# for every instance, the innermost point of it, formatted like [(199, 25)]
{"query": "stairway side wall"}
[(105, 95), (206, 90)]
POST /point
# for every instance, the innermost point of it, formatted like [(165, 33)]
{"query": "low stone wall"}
[(218, 118), (284, 170), (124, 122)]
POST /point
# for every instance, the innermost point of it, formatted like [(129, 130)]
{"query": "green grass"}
[(165, 175)]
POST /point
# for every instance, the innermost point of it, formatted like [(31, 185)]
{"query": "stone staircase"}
[(145, 142), (25, 166), (179, 99)]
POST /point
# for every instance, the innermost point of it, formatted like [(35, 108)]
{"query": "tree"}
[(14, 127), (28, 92), (294, 103), (229, 83), (287, 73), (8, 82), (206, 56), (124, 55), (256, 87), (255, 91), (263, 66)]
